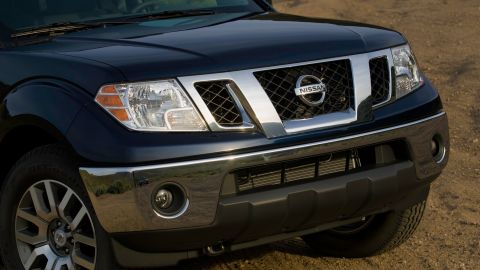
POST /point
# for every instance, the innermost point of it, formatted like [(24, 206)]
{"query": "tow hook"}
[(215, 250)]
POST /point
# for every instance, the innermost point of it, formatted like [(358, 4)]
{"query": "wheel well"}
[(20, 141)]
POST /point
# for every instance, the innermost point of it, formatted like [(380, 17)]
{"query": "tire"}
[(35, 237), (373, 236)]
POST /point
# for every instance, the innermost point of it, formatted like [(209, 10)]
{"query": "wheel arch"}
[(36, 113), (23, 138)]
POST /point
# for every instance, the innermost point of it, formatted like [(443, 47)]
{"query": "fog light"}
[(164, 199), (169, 201), (438, 149), (435, 147)]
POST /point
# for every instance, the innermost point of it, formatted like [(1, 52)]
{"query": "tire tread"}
[(407, 224), (386, 232)]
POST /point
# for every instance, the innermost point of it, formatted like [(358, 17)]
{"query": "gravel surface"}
[(445, 35)]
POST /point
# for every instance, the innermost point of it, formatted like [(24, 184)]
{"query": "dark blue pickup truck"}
[(140, 133)]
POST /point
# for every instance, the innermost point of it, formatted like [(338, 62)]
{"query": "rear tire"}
[(46, 218), (375, 235)]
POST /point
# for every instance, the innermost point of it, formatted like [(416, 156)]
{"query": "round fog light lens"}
[(169, 201), (438, 149), (164, 199), (435, 147)]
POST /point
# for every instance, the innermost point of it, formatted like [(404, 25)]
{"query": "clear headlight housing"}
[(408, 77), (151, 106)]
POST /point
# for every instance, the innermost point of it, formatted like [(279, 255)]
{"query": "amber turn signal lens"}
[(109, 100), (120, 114), (108, 89)]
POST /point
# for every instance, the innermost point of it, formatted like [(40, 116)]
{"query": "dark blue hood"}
[(156, 50)]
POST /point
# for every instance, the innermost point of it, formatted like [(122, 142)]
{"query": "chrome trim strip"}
[(259, 103), (108, 171), (323, 121), (247, 122), (442, 156), (256, 102)]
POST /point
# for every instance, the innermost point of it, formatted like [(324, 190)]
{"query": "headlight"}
[(408, 77), (151, 106)]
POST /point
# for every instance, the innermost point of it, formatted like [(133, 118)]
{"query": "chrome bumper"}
[(121, 197)]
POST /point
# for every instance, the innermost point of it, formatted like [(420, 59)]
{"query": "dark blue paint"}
[(138, 52), (48, 104), (52, 83)]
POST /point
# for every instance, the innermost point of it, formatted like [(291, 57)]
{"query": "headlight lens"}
[(151, 106), (408, 77)]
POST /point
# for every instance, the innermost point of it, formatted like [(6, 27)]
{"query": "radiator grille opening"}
[(380, 77), (320, 167), (220, 102), (280, 84), (291, 172)]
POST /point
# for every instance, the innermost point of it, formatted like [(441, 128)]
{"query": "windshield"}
[(27, 14)]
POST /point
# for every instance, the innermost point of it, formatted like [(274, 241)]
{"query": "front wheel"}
[(46, 220), (371, 236)]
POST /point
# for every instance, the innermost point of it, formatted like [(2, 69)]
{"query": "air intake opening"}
[(320, 167), (380, 79), (220, 102)]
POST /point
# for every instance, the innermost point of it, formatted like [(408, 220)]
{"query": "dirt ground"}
[(445, 35)]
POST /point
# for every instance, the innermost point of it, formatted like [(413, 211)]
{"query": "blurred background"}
[(445, 36)]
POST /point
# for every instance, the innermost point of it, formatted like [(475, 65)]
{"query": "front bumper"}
[(260, 218), (121, 197)]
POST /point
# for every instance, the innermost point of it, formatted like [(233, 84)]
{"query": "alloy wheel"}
[(54, 229)]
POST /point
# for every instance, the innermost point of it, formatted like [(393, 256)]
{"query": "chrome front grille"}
[(265, 99), (279, 84), (380, 78), (220, 102)]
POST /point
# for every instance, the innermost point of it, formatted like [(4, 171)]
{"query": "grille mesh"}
[(276, 175), (380, 76), (279, 84), (217, 97)]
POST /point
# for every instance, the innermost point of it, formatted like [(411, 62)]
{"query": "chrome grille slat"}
[(291, 172), (299, 173)]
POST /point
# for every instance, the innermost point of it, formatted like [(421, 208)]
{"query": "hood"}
[(211, 44)]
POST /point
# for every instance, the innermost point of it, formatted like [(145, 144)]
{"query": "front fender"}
[(50, 105)]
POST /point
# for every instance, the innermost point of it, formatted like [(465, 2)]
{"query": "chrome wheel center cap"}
[(60, 238)]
